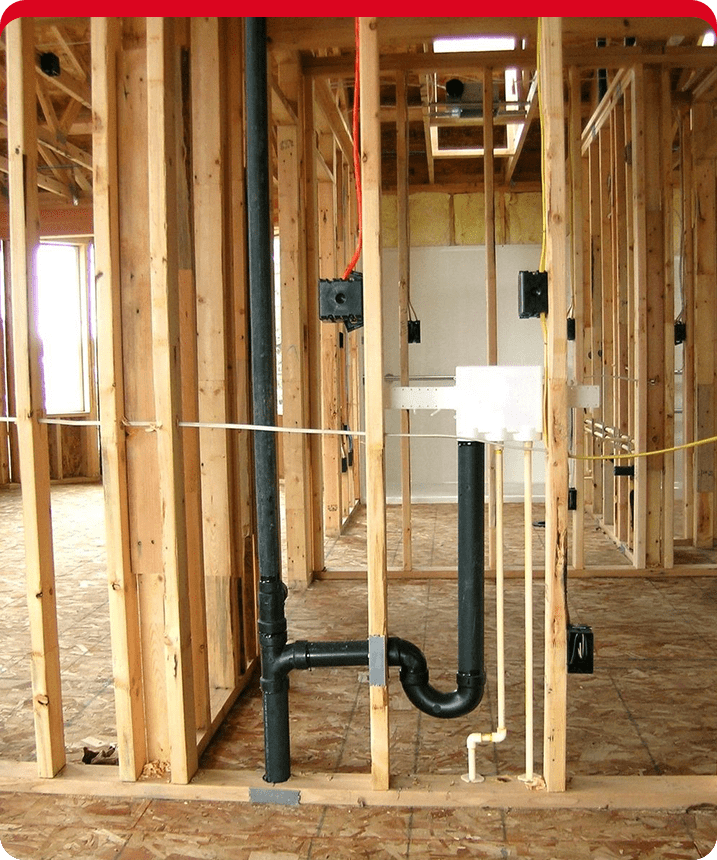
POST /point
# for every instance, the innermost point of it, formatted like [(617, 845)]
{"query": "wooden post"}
[(597, 445), (665, 137), (606, 279), (237, 278), (32, 435), (639, 182), (491, 298), (373, 371), (620, 324), (190, 388), (214, 395), (164, 280), (705, 298), (578, 220), (654, 332), (123, 598), (630, 293), (556, 490), (688, 355), (404, 291), (330, 355), (294, 347), (145, 514), (313, 394)]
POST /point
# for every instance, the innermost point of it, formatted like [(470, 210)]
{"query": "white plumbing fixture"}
[(492, 403)]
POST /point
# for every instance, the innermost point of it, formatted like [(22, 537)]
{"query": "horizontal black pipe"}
[(470, 678)]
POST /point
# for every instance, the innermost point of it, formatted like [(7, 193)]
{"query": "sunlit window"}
[(473, 43), (62, 326)]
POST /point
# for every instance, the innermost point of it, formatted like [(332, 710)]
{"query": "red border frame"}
[(610, 8)]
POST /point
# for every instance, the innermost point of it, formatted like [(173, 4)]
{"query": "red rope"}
[(357, 158)]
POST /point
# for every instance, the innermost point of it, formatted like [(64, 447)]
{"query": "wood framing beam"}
[(281, 109), (640, 369), (294, 347), (71, 56), (212, 345), (425, 97), (335, 118), (611, 57), (705, 299), (190, 393), (314, 330), (70, 86), (522, 134), (29, 399), (330, 358), (665, 139), (373, 403), (64, 148), (162, 83), (47, 183), (123, 599), (579, 228), (605, 107), (142, 464), (48, 108), (355, 789), (606, 352), (556, 488), (688, 292), (404, 292)]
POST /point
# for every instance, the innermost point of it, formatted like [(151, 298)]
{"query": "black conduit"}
[(277, 657)]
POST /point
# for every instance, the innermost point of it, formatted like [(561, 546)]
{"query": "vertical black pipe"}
[(272, 620), (471, 501)]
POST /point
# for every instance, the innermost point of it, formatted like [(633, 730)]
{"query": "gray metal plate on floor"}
[(280, 796)]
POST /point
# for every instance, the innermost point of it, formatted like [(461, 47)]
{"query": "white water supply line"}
[(500, 733), (528, 776)]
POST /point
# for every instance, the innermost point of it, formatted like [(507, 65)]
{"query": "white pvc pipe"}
[(499, 735), (528, 524)]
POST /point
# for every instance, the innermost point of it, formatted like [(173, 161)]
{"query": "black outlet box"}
[(342, 301), (572, 499), (623, 471), (50, 64), (414, 331), (680, 333), (532, 294), (571, 328), (580, 649)]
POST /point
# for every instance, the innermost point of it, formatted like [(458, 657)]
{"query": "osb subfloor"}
[(647, 709)]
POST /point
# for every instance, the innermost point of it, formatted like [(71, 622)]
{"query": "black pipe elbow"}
[(468, 694)]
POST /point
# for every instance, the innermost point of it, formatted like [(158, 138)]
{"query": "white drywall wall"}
[(448, 294)]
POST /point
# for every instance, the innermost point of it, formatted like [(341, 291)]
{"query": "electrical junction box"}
[(492, 403), (580, 649), (342, 301), (532, 294)]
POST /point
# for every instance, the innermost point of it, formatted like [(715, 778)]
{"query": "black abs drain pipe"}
[(277, 657)]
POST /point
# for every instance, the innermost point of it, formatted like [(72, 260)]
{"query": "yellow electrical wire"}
[(643, 453)]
